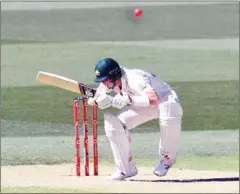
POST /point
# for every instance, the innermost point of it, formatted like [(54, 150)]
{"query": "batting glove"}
[(119, 101), (104, 101)]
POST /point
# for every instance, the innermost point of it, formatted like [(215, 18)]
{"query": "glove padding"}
[(91, 101), (119, 101), (104, 101)]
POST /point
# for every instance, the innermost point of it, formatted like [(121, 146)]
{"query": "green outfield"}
[(204, 108), (193, 47)]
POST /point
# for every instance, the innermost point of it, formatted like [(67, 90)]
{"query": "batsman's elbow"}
[(153, 97)]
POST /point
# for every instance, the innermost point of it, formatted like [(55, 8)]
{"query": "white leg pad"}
[(170, 130), (119, 142)]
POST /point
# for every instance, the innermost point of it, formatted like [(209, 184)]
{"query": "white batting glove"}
[(104, 101), (119, 101), (91, 101)]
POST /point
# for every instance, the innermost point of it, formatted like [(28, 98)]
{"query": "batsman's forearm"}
[(142, 101)]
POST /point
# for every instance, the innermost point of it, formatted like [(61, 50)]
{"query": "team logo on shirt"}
[(143, 85)]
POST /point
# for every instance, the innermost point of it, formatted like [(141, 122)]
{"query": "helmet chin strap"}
[(114, 84)]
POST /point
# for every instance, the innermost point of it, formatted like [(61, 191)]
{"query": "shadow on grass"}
[(224, 179)]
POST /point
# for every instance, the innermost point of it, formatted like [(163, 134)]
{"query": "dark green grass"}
[(158, 22), (207, 105), (16, 41)]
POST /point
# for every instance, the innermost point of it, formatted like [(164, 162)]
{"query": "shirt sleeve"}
[(139, 83)]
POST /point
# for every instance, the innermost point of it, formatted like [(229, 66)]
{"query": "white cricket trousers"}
[(169, 112)]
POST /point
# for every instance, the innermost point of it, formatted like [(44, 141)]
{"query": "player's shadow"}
[(223, 179)]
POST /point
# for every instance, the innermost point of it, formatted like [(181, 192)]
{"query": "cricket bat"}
[(65, 83)]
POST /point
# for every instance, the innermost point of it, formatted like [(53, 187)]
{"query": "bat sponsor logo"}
[(89, 93)]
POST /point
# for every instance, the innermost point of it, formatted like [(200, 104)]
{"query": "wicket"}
[(82, 102)]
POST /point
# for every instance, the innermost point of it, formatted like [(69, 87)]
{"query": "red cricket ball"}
[(138, 12)]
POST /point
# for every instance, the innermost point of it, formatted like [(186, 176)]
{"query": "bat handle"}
[(81, 98)]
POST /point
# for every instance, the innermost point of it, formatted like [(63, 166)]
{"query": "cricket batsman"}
[(140, 97)]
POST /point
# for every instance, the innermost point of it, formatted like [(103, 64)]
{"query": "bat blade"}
[(65, 83)]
